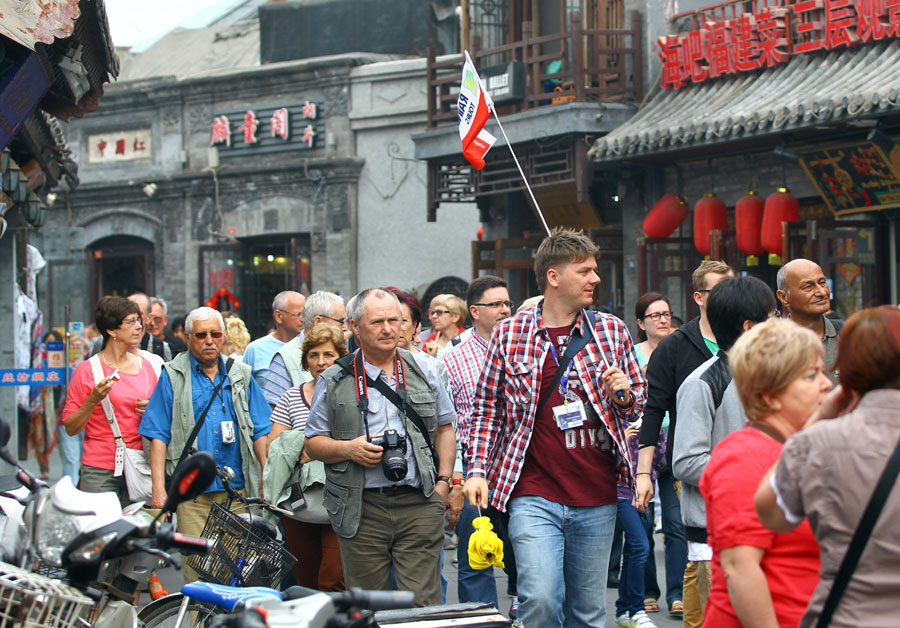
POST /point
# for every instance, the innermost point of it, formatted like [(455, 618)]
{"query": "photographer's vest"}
[(291, 353), (179, 371), (346, 479)]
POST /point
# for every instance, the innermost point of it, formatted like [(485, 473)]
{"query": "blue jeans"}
[(562, 555), (675, 543), (473, 585), (70, 451), (634, 558)]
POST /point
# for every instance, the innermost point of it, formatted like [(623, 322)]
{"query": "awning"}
[(808, 91), (30, 22)]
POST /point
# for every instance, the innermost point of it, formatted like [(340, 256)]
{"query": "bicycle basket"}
[(28, 599), (241, 556)]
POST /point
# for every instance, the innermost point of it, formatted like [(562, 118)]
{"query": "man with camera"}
[(382, 422)]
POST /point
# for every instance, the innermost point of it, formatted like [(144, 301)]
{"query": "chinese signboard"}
[(855, 177), (770, 36), (269, 129), (32, 377), (120, 146)]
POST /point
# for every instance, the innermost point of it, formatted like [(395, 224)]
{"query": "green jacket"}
[(291, 354), (346, 479), (283, 467), (179, 371)]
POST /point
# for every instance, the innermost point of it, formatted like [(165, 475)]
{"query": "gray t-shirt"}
[(827, 473), (383, 415)]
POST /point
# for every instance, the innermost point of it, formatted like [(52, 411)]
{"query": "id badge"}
[(570, 415), (227, 432)]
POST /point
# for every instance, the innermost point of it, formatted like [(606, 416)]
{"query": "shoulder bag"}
[(132, 462)]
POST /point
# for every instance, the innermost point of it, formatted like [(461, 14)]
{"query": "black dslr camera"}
[(393, 463)]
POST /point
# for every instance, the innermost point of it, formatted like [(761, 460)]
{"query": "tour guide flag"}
[(473, 108)]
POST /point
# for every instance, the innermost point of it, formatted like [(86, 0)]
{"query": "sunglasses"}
[(201, 335)]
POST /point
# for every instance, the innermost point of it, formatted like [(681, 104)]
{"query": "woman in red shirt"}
[(760, 578)]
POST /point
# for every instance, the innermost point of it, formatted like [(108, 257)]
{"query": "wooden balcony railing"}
[(602, 64)]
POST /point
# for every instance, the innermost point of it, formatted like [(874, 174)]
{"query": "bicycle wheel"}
[(163, 613)]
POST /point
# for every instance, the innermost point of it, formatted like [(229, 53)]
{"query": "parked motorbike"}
[(100, 553)]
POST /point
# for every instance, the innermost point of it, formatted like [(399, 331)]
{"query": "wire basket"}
[(29, 599), (241, 555)]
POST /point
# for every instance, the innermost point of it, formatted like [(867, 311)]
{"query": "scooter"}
[(101, 552)]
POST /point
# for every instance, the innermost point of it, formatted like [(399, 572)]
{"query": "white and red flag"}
[(473, 108)]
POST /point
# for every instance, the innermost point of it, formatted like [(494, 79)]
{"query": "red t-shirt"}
[(99, 444), (790, 562), (575, 467)]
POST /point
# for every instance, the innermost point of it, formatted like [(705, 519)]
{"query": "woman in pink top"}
[(119, 320)]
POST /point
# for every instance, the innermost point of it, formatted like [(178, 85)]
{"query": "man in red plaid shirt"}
[(549, 447)]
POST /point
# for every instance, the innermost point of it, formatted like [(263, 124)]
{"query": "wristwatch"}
[(442, 478)]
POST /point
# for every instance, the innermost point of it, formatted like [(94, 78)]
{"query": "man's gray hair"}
[(202, 314), (280, 301), (357, 303), (162, 304), (320, 303), (781, 282)]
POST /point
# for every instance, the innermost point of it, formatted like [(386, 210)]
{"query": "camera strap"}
[(198, 423), (398, 397), (576, 343)]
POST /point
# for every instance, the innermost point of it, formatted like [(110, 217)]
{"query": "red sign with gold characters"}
[(770, 35)]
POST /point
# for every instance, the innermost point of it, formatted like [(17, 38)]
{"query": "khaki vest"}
[(345, 479), (179, 371), (291, 354)]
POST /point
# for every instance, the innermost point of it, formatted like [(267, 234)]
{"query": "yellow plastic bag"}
[(485, 547)]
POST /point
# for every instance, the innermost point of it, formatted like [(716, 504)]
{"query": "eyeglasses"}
[(339, 321), (133, 322), (438, 312), (657, 315), (156, 319), (495, 304), (294, 314), (201, 335), (702, 290)]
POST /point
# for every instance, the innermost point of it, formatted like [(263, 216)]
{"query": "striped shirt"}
[(464, 364), (506, 394)]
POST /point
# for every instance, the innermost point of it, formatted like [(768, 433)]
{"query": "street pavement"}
[(172, 578)]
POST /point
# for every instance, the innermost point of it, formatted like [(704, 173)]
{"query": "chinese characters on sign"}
[(855, 177), (32, 377), (770, 36), (267, 127), (120, 146)]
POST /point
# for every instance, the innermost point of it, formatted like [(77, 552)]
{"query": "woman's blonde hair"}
[(767, 358), (320, 334), (236, 334), (455, 305)]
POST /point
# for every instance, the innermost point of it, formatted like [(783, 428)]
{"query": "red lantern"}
[(748, 216), (666, 216), (710, 214), (781, 206)]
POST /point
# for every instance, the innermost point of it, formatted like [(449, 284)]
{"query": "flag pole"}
[(516, 159)]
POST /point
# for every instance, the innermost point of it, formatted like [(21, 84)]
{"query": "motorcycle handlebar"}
[(358, 598)]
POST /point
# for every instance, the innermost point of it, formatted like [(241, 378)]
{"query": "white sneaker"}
[(640, 620), (622, 620)]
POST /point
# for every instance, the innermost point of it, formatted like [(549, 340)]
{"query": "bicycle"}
[(247, 561)]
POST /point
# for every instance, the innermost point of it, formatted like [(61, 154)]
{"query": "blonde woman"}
[(236, 338), (447, 315)]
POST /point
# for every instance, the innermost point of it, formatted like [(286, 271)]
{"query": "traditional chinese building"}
[(226, 180), (767, 95)]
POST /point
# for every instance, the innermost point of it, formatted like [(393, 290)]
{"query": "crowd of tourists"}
[(756, 430)]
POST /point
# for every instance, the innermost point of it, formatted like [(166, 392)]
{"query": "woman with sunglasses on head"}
[(128, 381), (447, 315)]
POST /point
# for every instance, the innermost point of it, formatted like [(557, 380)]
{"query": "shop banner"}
[(32, 377)]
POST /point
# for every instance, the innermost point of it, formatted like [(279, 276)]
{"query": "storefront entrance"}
[(245, 277), (121, 265)]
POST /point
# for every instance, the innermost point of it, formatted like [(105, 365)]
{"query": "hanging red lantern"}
[(748, 216), (710, 214), (666, 216), (781, 206), (480, 233)]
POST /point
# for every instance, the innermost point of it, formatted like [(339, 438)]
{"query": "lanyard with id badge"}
[(571, 413)]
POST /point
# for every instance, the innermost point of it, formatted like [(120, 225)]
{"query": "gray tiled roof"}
[(809, 90)]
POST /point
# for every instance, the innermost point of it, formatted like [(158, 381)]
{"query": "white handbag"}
[(134, 463)]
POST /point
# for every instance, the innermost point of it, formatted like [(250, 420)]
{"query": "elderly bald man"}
[(803, 289)]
